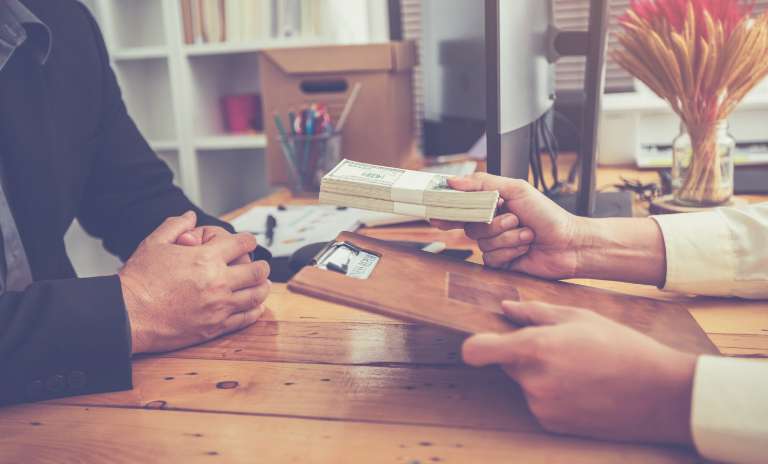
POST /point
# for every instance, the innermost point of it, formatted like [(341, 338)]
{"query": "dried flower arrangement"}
[(702, 57)]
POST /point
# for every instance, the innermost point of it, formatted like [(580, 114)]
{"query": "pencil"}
[(287, 150)]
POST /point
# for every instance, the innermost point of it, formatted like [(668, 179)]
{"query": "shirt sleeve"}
[(717, 253), (729, 411)]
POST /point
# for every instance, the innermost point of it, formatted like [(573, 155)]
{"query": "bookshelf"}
[(172, 90)]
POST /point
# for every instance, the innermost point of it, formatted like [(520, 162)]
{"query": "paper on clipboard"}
[(297, 226)]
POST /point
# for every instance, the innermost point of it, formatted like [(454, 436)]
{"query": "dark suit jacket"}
[(70, 150)]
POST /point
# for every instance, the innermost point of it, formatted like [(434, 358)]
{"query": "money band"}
[(409, 209), (409, 188)]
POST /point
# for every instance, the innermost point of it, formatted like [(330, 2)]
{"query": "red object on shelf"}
[(242, 113)]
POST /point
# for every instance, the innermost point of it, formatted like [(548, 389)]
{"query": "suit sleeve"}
[(129, 191), (44, 353)]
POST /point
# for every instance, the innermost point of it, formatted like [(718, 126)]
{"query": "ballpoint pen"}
[(269, 232)]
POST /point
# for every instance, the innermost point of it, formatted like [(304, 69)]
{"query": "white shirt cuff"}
[(699, 253), (729, 409)]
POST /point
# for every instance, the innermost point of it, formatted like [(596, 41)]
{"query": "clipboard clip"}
[(346, 258)]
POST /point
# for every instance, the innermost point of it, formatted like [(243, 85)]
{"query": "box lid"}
[(385, 57)]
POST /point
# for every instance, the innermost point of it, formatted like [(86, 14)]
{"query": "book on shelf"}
[(212, 20), (234, 21), (233, 9)]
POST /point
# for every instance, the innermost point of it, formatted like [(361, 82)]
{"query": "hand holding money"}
[(400, 191)]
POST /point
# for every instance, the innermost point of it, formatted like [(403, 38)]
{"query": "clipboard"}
[(416, 286)]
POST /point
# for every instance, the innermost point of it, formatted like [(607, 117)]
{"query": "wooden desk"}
[(318, 382)]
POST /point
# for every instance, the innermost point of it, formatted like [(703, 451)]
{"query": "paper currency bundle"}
[(400, 191)]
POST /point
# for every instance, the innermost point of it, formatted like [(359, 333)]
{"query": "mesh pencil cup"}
[(309, 158)]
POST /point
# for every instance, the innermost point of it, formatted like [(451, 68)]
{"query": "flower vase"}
[(702, 168)]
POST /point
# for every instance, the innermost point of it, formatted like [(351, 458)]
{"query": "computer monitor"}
[(522, 45)]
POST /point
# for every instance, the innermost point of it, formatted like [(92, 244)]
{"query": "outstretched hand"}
[(586, 375), (530, 233)]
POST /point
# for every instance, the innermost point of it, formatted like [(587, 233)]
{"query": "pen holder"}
[(309, 158)]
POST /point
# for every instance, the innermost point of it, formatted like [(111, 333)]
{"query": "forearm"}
[(623, 249)]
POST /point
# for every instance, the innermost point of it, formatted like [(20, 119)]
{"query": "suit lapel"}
[(34, 190)]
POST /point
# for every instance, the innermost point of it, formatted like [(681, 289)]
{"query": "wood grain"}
[(742, 345), (42, 434), (334, 343), (456, 397), (398, 287)]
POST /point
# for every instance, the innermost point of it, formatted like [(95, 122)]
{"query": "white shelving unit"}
[(172, 90)]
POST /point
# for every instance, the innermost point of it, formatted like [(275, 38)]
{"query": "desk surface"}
[(319, 382)]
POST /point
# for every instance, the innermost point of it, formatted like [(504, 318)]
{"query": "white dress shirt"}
[(724, 253)]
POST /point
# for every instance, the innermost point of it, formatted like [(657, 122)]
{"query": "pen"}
[(310, 129), (292, 122), (287, 150), (270, 229)]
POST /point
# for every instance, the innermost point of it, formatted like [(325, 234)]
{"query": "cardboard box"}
[(380, 127)]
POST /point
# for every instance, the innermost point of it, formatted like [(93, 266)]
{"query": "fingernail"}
[(526, 235), (508, 222), (188, 215)]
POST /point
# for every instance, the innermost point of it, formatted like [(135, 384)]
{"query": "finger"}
[(249, 298), (231, 247), (501, 258), (481, 181), (534, 313), (446, 225), (499, 225), (242, 319), (170, 230), (192, 238), (512, 349), (211, 232), (245, 259), (247, 275), (509, 239)]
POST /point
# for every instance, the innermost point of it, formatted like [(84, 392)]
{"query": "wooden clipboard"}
[(421, 287)]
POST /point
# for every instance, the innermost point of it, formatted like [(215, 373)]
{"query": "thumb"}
[(536, 313), (193, 237), (170, 230), (481, 181), (511, 349)]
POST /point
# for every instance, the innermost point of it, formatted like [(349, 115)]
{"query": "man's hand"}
[(204, 234), (583, 374), (530, 234), (181, 295)]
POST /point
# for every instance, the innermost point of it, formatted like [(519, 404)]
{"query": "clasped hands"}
[(185, 285)]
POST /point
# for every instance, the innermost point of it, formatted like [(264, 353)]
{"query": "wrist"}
[(621, 249), (586, 244), (134, 307)]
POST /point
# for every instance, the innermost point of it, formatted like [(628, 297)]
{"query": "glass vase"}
[(702, 165)]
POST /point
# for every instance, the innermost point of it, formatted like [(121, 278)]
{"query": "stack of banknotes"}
[(400, 191)]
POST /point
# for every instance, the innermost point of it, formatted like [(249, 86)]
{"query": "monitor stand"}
[(607, 204), (516, 148)]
